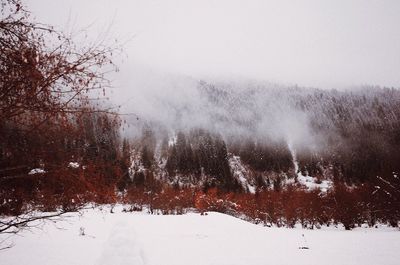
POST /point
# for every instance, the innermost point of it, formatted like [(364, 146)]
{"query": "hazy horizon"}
[(333, 44), (171, 45)]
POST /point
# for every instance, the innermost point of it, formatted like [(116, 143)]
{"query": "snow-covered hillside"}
[(138, 238)]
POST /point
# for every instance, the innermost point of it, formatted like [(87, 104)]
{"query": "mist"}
[(309, 43), (237, 109), (175, 50)]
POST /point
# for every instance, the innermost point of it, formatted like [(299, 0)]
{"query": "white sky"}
[(336, 43)]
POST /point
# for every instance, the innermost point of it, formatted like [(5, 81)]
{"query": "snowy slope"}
[(241, 174), (139, 238)]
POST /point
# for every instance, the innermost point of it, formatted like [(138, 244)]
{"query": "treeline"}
[(186, 183), (264, 156), (365, 205), (353, 133), (197, 157), (361, 130)]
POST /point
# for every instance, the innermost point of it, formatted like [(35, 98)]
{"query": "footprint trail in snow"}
[(122, 247)]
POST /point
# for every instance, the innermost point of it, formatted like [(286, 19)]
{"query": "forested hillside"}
[(353, 133), (290, 145)]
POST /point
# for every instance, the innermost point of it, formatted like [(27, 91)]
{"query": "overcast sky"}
[(326, 44)]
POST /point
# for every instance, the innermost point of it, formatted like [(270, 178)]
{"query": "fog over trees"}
[(278, 135), (355, 132)]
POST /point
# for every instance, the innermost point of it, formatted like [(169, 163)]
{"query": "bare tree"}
[(46, 81), (43, 72)]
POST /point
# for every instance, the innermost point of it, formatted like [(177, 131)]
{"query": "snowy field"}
[(139, 238)]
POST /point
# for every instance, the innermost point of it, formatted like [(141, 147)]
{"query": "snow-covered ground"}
[(241, 173), (139, 238), (311, 183)]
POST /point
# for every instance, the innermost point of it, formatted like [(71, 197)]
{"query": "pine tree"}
[(147, 157)]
